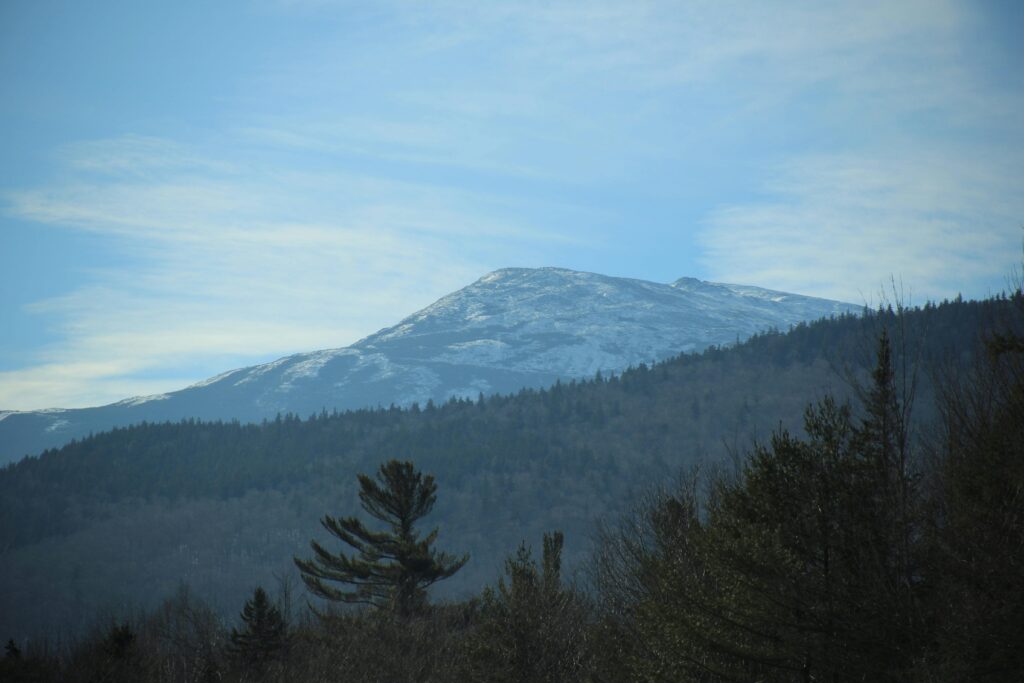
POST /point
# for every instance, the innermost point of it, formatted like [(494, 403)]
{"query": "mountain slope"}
[(116, 521), (510, 329)]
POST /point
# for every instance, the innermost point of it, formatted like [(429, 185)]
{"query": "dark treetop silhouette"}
[(390, 569)]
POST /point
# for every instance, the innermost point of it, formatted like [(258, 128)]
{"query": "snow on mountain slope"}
[(512, 328)]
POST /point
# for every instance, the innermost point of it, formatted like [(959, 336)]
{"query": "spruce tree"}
[(264, 636), (888, 517), (388, 569)]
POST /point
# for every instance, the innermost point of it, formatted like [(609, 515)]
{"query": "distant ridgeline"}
[(513, 328), (116, 521)]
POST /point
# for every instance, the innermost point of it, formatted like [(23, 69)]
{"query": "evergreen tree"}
[(978, 523), (264, 636), (389, 569), (532, 628), (18, 668), (804, 566), (887, 517), (120, 642)]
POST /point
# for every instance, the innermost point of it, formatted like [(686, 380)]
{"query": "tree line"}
[(845, 550)]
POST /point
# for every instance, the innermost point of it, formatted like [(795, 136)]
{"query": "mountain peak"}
[(513, 275), (688, 283), (512, 328)]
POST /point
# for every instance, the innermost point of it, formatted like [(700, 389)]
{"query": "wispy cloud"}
[(138, 156), (396, 150), (592, 93), (842, 226), (229, 261), (558, 48)]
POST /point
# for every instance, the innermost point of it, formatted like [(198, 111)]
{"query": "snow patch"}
[(310, 367), (214, 379), (388, 333), (385, 368), (257, 371), (139, 400), (475, 352), (519, 322), (56, 425)]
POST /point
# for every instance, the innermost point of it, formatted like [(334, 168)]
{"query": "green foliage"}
[(800, 568), (393, 568), (379, 645), (531, 626), (115, 521), (264, 634), (833, 553), (18, 668), (977, 522), (840, 554), (119, 642), (120, 657)]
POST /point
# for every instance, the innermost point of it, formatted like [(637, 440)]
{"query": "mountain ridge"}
[(511, 328), (118, 520)]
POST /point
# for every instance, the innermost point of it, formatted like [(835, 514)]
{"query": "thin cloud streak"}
[(844, 226), (234, 264), (404, 149), (653, 45), (143, 187), (605, 84)]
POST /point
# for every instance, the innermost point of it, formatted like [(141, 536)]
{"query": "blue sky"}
[(189, 187)]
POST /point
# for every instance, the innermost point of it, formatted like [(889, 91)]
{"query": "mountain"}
[(512, 328), (114, 523)]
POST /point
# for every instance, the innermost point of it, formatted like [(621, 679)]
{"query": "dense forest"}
[(839, 502)]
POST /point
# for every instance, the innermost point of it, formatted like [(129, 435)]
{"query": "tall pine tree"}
[(392, 568)]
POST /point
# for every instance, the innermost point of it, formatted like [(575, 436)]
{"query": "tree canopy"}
[(264, 635), (391, 568)]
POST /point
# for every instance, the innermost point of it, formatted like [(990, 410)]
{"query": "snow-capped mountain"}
[(512, 328)]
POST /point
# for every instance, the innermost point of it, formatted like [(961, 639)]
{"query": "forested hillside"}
[(115, 522), (512, 328)]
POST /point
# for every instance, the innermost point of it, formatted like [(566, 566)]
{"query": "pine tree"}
[(532, 627), (264, 636), (888, 518), (804, 566), (978, 530), (389, 569)]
